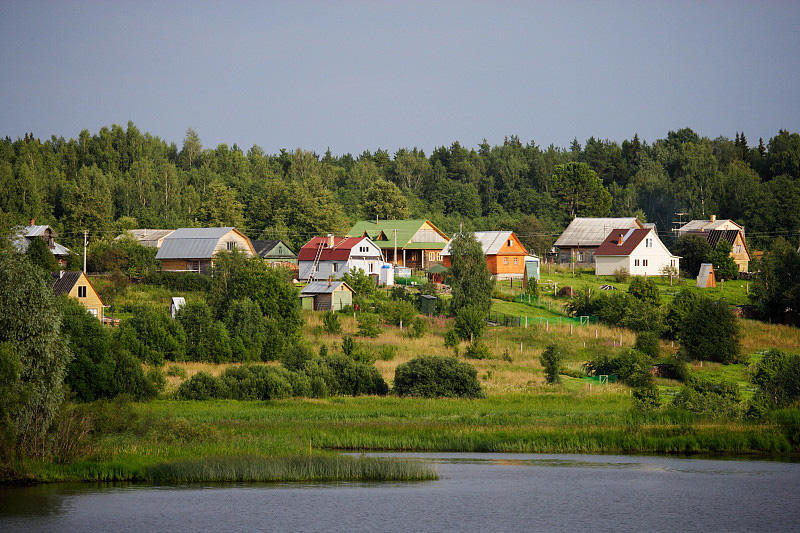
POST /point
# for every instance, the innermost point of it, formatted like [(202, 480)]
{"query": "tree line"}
[(121, 178)]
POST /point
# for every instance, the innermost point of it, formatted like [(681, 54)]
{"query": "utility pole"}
[(85, 242)]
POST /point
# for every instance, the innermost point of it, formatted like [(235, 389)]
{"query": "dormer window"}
[(231, 246), (509, 243), (82, 291)]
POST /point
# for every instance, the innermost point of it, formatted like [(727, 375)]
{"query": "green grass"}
[(300, 440)]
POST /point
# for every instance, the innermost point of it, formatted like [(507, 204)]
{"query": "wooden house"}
[(637, 251), (694, 226), (23, 236), (275, 252), (584, 234), (505, 254), (735, 237), (193, 249), (326, 295), (410, 243), (332, 257), (77, 286)]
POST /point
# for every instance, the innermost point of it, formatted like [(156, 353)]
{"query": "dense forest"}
[(121, 178)]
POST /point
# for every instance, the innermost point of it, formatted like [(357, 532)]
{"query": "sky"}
[(355, 76)]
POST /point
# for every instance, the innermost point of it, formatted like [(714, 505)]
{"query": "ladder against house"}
[(313, 274)]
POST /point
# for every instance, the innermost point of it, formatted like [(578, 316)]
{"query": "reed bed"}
[(288, 469)]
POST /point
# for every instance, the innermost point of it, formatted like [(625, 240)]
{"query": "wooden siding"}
[(741, 258), (91, 301), (242, 243)]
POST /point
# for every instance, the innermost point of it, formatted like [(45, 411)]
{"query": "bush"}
[(645, 289), (153, 336), (632, 367), (551, 361), (621, 275), (580, 304), (176, 371), (179, 281), (718, 399), (368, 325), (432, 377), (646, 398), (417, 328), (477, 350), (777, 376), (362, 284), (387, 352), (345, 376), (331, 323), (129, 379), (470, 322), (647, 343), (396, 312), (296, 357), (202, 386), (676, 311), (206, 338), (248, 330), (710, 331), (451, 338)]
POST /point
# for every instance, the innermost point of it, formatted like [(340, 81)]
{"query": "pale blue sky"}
[(367, 75)]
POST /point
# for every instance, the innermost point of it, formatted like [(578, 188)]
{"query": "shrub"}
[(368, 325), (567, 291), (470, 322), (724, 265), (621, 275), (777, 376), (645, 289), (206, 338), (345, 376), (647, 343), (676, 311), (632, 367), (129, 379), (387, 352), (248, 329), (718, 399), (296, 357), (551, 361), (646, 398), (176, 371), (580, 304), (153, 336), (451, 338), (202, 386), (477, 350), (532, 287), (331, 323), (417, 328), (431, 377), (396, 312), (710, 331)]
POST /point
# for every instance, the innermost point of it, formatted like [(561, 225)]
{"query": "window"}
[(335, 268), (737, 249), (648, 243), (82, 291), (93, 312), (636, 262), (516, 260), (505, 260), (231, 246), (371, 266), (509, 243), (363, 249), (644, 262)]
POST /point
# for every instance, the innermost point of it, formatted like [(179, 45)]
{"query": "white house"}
[(324, 257), (638, 251)]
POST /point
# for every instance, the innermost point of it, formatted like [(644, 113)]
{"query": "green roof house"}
[(410, 243)]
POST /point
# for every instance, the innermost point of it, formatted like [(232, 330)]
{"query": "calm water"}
[(475, 492)]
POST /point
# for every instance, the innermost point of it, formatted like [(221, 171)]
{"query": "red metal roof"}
[(632, 238), (342, 246)]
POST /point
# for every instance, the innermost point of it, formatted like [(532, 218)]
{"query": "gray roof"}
[(707, 225), (322, 287), (23, 235), (491, 241), (589, 232), (191, 243), (146, 237), (263, 247)]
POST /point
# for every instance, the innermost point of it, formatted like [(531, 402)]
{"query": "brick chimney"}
[(713, 218), (621, 239), (330, 240), (33, 222)]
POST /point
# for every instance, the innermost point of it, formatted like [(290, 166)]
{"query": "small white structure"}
[(706, 278), (175, 306), (638, 251), (532, 267), (331, 257), (386, 276)]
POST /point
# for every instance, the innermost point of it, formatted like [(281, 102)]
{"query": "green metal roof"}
[(405, 230)]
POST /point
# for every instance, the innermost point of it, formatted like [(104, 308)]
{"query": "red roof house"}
[(331, 257), (637, 251)]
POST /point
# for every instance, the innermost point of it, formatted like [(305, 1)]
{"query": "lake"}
[(475, 492)]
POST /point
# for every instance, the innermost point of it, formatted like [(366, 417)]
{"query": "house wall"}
[(426, 233), (183, 265), (504, 266), (606, 265), (322, 302), (741, 258), (342, 297), (583, 256), (242, 243), (91, 301)]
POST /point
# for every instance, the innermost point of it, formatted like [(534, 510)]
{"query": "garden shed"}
[(326, 296), (427, 304), (706, 278)]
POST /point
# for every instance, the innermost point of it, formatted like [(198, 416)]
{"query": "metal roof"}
[(64, 281), (406, 229), (191, 243), (491, 241), (323, 287), (263, 247), (591, 232), (23, 235), (145, 236), (707, 225)]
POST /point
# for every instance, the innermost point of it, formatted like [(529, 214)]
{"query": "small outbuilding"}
[(427, 304), (326, 296), (177, 303), (706, 278)]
